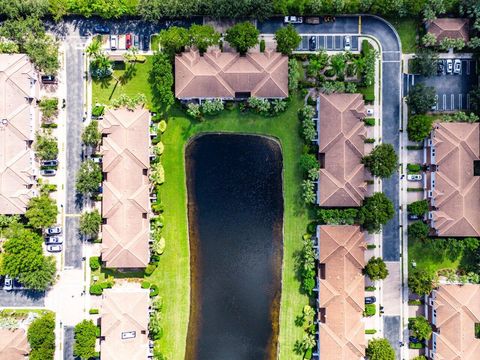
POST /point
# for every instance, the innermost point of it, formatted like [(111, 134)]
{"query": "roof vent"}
[(4, 122), (129, 335)]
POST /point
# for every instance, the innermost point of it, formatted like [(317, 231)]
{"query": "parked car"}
[(457, 66), (49, 163), (414, 340), (369, 112), (136, 41), (48, 172), (414, 177), (113, 42), (97, 159), (313, 20), (100, 190), (101, 29), (48, 79), (413, 217), (55, 230), (312, 43), (346, 42), (293, 20), (440, 67), (54, 240), (8, 285), (449, 66), (128, 41), (370, 299), (54, 248), (146, 42)]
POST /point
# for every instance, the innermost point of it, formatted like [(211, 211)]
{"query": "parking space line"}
[(444, 101), (460, 103), (452, 99)]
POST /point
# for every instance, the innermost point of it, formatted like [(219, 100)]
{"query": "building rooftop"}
[(457, 310), (18, 89), (124, 324), (13, 344), (453, 28), (341, 146), (125, 201), (342, 292), (219, 74), (456, 194)]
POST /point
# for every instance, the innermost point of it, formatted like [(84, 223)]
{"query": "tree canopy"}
[(421, 282), (421, 98), (376, 269), (41, 337), (425, 62), (161, 81), (46, 147), (419, 207), (203, 36), (382, 161), (89, 177), (418, 231), (91, 136), (420, 328), (419, 127), (287, 39), (85, 338), (380, 349), (174, 39), (376, 211), (242, 36), (41, 212), (90, 223)]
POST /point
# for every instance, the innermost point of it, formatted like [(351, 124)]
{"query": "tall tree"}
[(380, 349), (89, 177), (174, 39), (287, 39), (41, 212), (421, 98), (203, 36), (91, 136), (421, 282), (425, 62), (419, 127), (41, 337), (382, 161), (420, 328), (90, 223), (376, 269), (85, 339), (161, 81), (242, 36), (376, 211)]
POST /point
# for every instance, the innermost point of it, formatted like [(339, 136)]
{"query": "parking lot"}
[(452, 89), (327, 42)]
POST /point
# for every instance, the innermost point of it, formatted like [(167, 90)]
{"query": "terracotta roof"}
[(221, 74), (453, 28), (125, 201), (13, 344), (341, 139), (457, 310), (124, 324), (342, 291), (18, 83), (457, 191)]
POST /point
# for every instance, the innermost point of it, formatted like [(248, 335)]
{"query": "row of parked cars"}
[(48, 167), (53, 239), (449, 66), (347, 43)]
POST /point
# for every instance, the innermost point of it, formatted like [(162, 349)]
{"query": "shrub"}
[(412, 345), (259, 105), (98, 110), (369, 121), (262, 45), (371, 246), (93, 311), (414, 168), (150, 269), (96, 289), (337, 216), (418, 231), (418, 207), (376, 269), (212, 107), (154, 290), (369, 141), (162, 126), (310, 166), (370, 310), (329, 72), (415, 302), (293, 75), (94, 263), (370, 331), (419, 127), (309, 132), (308, 192), (145, 285), (194, 110), (370, 288)]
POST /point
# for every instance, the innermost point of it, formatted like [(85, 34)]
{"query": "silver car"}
[(54, 240), (8, 285), (48, 172), (53, 230), (54, 248), (449, 66), (457, 66)]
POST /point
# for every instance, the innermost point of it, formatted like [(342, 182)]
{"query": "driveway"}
[(22, 298), (391, 331), (68, 341)]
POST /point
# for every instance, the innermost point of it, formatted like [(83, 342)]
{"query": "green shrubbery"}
[(370, 310), (150, 269), (369, 121), (337, 216), (41, 337), (419, 208), (94, 263)]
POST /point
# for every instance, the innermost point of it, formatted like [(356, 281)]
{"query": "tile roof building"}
[(453, 311), (19, 90), (341, 134), (453, 184), (341, 292), (453, 28), (13, 344), (228, 75), (126, 194), (124, 322)]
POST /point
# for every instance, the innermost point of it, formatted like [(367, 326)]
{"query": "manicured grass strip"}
[(408, 30)]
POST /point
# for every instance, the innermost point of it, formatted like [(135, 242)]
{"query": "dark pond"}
[(235, 220)]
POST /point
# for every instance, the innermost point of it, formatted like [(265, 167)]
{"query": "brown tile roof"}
[(124, 324), (221, 74), (455, 28), (457, 310), (125, 201), (342, 291), (341, 139), (13, 344), (456, 193), (18, 83)]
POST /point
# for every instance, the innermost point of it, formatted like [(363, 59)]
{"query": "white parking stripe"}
[(452, 99), (460, 103), (444, 101)]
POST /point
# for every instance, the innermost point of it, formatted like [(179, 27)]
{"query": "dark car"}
[(414, 340), (413, 217), (146, 42), (440, 67), (101, 29), (370, 299), (48, 79), (49, 163), (312, 43)]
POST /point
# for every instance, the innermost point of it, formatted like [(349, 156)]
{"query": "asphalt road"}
[(391, 330), (22, 298), (68, 341)]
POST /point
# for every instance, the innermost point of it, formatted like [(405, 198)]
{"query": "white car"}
[(293, 20), (54, 240), (53, 230), (54, 248), (369, 112), (449, 66), (347, 45), (414, 177), (8, 285), (113, 42), (457, 66)]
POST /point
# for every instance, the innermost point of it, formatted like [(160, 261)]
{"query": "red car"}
[(128, 39)]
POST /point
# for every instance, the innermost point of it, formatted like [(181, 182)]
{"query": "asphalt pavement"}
[(22, 298), (68, 341)]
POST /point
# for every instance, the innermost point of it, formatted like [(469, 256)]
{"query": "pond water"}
[(235, 213)]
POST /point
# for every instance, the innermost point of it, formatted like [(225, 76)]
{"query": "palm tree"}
[(93, 50), (308, 341), (338, 64)]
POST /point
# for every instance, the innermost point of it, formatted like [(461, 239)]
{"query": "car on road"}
[(8, 284), (370, 299), (414, 177), (128, 41), (312, 43), (413, 217), (48, 79), (347, 45), (457, 66), (449, 66), (136, 41), (293, 20), (54, 240), (48, 172), (49, 163), (54, 248), (55, 230), (101, 29), (440, 67), (113, 42)]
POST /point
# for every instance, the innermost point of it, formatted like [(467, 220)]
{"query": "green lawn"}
[(130, 83), (428, 258), (408, 30), (173, 273)]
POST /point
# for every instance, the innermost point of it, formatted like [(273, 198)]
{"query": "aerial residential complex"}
[(19, 89)]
